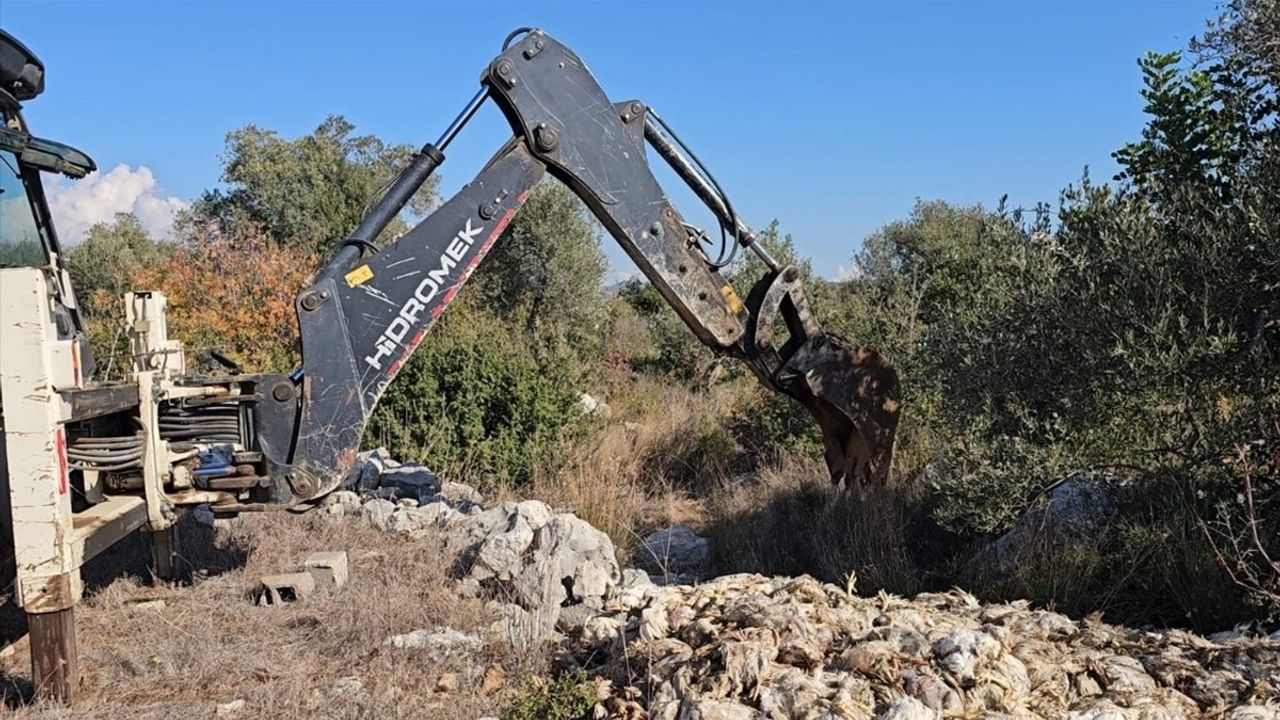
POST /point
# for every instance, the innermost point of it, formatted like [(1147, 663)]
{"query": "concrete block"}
[(289, 587), (328, 568)]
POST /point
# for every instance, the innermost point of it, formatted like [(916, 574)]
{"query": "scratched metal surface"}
[(546, 91), (360, 336)]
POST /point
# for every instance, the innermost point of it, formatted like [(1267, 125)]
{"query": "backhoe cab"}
[(89, 462)]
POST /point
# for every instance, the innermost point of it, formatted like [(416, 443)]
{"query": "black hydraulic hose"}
[(732, 221), (668, 151), (401, 192), (106, 443), (105, 457), (513, 35), (703, 183)]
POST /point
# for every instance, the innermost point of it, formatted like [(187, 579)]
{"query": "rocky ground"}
[(744, 646), (748, 647), (454, 604)]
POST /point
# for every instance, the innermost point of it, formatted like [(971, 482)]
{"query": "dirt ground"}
[(210, 644)]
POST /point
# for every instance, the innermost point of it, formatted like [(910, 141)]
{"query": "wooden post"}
[(55, 665), (165, 550)]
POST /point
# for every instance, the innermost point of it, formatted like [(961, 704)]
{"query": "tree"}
[(102, 268), (308, 192), (235, 294), (104, 263), (545, 272), (475, 402)]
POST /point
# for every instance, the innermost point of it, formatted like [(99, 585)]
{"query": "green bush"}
[(769, 425), (572, 696), (676, 352), (475, 401)]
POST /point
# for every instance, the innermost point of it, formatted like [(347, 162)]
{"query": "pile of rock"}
[(533, 562), (537, 563), (401, 497), (745, 646)]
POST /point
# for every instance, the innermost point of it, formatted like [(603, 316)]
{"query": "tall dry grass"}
[(787, 519), (667, 456), (651, 464)]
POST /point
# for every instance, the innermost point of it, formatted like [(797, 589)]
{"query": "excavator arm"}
[(369, 308), (85, 462)]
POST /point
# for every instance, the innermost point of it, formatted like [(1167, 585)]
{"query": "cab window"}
[(20, 243)]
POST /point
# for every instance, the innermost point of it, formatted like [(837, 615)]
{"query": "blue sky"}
[(833, 118)]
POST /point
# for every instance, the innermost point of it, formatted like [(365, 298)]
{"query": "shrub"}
[(769, 425), (103, 264), (234, 293), (627, 337), (676, 352), (571, 696), (475, 401), (494, 390)]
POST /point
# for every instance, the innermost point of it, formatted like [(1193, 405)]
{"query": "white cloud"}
[(617, 276), (79, 205), (847, 272)]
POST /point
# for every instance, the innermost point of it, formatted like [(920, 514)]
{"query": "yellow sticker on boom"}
[(358, 276), (731, 297)]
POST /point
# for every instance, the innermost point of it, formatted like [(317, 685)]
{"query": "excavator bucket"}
[(853, 393)]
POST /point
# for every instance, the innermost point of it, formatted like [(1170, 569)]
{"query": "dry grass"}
[(650, 465), (666, 458), (209, 644), (788, 520)]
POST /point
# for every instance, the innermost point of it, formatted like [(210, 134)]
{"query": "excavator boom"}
[(87, 461), (369, 308)]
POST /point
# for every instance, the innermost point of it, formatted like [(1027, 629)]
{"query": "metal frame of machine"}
[(58, 525)]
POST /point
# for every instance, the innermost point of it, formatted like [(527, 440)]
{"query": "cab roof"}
[(21, 72)]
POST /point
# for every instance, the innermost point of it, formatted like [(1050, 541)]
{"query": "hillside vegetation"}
[(1120, 342)]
